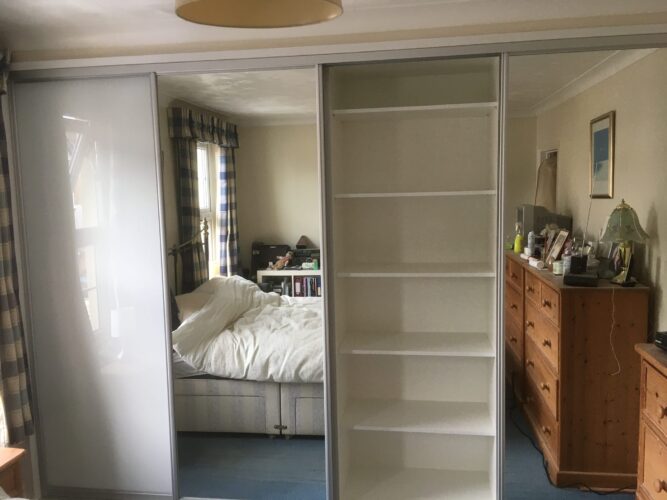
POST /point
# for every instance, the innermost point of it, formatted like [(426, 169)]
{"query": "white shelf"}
[(462, 345), (429, 417), (289, 272), (472, 109), (421, 194), (366, 483), (415, 270)]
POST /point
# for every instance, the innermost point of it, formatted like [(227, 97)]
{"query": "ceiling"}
[(51, 29), (265, 97), (536, 83)]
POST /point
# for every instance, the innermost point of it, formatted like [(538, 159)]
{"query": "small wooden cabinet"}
[(652, 470), (10, 471), (564, 374)]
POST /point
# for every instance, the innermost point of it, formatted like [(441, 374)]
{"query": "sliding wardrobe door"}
[(93, 250)]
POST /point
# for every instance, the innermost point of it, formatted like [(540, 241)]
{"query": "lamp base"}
[(625, 255)]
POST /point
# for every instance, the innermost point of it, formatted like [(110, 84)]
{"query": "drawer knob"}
[(514, 339), (530, 324), (659, 486), (546, 343), (515, 307), (514, 276), (546, 430), (545, 387), (530, 289), (662, 412), (529, 363), (546, 303)]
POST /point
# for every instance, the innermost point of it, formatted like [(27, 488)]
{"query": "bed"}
[(247, 361)]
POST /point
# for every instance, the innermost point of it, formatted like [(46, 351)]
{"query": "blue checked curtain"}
[(228, 227), (187, 127), (13, 364)]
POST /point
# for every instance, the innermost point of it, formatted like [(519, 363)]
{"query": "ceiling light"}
[(258, 13)]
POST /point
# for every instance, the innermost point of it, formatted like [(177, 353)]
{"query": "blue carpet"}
[(248, 466), (525, 477)]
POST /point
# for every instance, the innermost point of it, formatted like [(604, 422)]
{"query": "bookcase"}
[(303, 282), (412, 207)]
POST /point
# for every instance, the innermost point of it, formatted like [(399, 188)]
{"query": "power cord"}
[(579, 486)]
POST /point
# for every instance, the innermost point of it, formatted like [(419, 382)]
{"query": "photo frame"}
[(602, 156), (557, 247)]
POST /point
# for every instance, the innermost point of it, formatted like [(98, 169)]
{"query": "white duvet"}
[(244, 333)]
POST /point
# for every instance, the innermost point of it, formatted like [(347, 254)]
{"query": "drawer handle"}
[(515, 307), (530, 324), (530, 289), (514, 276), (546, 343), (662, 412), (659, 486), (546, 303), (529, 363), (546, 430), (514, 339), (545, 387)]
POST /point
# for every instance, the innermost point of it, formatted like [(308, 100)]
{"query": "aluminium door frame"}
[(504, 50)]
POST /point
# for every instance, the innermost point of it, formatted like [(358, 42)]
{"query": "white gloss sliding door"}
[(90, 197)]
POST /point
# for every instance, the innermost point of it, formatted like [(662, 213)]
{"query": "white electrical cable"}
[(611, 332)]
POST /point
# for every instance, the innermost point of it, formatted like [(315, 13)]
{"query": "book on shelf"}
[(307, 286)]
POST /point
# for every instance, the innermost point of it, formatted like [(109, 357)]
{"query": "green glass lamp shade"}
[(623, 225)]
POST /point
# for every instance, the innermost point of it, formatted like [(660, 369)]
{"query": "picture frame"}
[(557, 247), (601, 170)]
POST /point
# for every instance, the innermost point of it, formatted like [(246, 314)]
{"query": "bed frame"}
[(209, 404)]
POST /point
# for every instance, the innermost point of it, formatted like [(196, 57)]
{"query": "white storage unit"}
[(413, 204)]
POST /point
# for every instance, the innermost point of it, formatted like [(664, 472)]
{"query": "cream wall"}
[(520, 167), (277, 185), (637, 93)]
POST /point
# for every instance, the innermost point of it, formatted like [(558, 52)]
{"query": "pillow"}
[(190, 303)]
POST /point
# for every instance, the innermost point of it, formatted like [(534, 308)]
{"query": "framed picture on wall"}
[(602, 156)]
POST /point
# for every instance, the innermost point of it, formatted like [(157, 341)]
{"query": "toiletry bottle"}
[(518, 239)]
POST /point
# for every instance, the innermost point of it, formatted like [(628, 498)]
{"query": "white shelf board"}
[(469, 109), (421, 194), (366, 483), (429, 417), (473, 345), (418, 270), (290, 272)]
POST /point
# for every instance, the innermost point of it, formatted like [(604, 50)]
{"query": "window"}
[(203, 178), (208, 158)]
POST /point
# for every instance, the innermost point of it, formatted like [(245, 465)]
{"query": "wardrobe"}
[(411, 205)]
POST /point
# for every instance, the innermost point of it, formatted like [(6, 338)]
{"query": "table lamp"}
[(623, 228)]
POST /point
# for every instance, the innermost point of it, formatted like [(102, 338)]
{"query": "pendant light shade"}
[(258, 13)]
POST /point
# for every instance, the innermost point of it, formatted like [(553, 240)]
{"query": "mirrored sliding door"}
[(91, 216)]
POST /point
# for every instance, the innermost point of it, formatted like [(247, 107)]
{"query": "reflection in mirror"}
[(572, 376), (242, 214)]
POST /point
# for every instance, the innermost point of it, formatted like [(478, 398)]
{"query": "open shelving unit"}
[(413, 202)]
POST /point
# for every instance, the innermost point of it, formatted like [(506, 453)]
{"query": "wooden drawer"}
[(538, 373), (653, 478), (543, 422), (544, 334), (532, 288), (550, 303), (514, 337), (513, 305), (655, 404), (514, 373), (514, 273)]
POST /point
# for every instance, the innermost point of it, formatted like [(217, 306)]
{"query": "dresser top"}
[(656, 356), (557, 281)]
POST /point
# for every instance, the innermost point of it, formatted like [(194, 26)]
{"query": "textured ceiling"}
[(284, 96), (42, 29)]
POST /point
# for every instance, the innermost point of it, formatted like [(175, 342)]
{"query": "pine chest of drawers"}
[(652, 473), (560, 362)]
